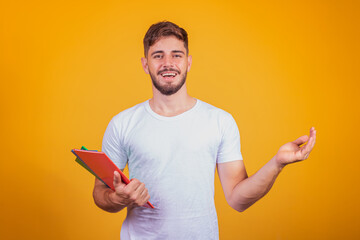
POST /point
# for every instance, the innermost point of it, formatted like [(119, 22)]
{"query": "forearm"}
[(102, 199), (251, 189)]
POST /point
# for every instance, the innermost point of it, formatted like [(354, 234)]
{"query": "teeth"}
[(168, 74)]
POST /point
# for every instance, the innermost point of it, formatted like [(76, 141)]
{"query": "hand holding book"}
[(126, 192), (133, 193)]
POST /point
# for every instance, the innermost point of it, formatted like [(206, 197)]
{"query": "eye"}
[(157, 56), (177, 56)]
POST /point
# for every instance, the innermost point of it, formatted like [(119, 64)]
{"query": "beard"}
[(168, 88)]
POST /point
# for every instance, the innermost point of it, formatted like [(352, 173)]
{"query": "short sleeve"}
[(112, 146), (229, 148)]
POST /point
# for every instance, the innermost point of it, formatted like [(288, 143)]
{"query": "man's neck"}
[(172, 105)]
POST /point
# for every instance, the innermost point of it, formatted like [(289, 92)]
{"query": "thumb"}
[(117, 179), (301, 140)]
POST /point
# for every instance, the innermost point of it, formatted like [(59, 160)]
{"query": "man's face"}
[(167, 63)]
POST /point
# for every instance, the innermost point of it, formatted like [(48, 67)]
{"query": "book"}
[(101, 166), (87, 168)]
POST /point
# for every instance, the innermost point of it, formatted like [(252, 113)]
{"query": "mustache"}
[(169, 70)]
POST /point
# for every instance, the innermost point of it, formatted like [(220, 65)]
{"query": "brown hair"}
[(164, 29)]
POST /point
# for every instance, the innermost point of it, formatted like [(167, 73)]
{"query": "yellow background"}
[(279, 67)]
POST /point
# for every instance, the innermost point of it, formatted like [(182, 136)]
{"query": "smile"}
[(168, 74)]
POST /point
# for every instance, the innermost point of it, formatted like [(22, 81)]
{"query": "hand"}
[(292, 152), (132, 194)]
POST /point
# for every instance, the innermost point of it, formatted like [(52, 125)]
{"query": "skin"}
[(240, 190), (168, 53)]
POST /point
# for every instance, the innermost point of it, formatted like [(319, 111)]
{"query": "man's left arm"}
[(242, 191)]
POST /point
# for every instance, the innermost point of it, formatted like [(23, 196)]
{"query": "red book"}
[(103, 167)]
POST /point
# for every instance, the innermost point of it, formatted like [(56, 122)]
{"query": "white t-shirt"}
[(176, 158)]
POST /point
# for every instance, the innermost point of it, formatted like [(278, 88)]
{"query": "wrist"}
[(113, 200), (278, 164), (108, 196)]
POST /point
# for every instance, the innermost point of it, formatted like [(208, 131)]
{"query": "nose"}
[(168, 62)]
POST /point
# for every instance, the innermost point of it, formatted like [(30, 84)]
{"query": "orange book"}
[(103, 167)]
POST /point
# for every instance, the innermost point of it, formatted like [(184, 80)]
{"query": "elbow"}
[(100, 200), (238, 205), (106, 208)]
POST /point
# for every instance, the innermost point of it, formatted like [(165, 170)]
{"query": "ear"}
[(145, 65), (189, 62)]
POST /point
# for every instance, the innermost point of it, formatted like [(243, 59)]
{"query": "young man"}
[(172, 143)]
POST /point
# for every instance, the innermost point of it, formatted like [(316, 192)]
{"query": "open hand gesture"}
[(292, 152)]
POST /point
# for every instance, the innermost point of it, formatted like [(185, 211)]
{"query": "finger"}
[(147, 197), (133, 185), (312, 132), (309, 146), (144, 197), (139, 196), (143, 192), (146, 205), (304, 151), (301, 140), (145, 200), (117, 179), (314, 139), (140, 188), (136, 191)]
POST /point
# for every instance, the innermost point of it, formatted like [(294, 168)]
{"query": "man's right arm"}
[(132, 194)]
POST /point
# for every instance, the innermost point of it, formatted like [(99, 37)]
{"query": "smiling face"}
[(167, 62)]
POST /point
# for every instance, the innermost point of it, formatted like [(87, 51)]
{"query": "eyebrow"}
[(156, 52), (173, 51), (178, 51)]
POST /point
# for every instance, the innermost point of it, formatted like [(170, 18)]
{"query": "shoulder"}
[(125, 121), (129, 113), (213, 111), (128, 118)]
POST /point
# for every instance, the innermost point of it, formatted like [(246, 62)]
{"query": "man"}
[(172, 143)]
